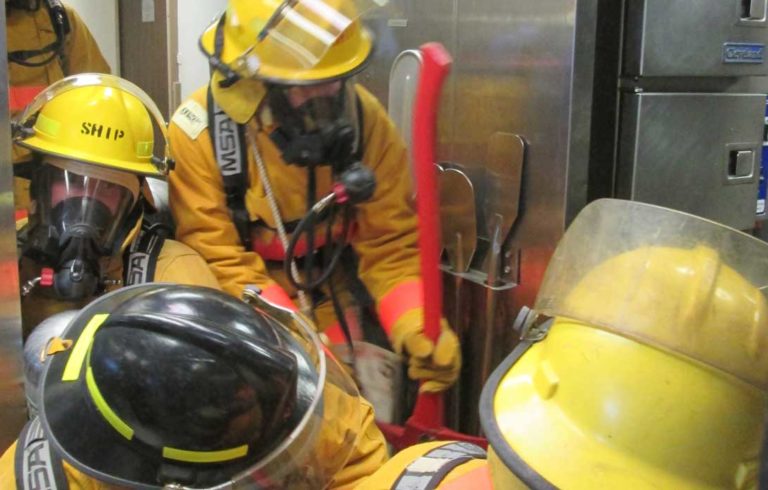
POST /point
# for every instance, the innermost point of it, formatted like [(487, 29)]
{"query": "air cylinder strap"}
[(231, 150)]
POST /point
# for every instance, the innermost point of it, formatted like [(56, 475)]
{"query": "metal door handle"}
[(741, 163), (753, 9)]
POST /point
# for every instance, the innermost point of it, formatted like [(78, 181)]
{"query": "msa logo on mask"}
[(100, 131)]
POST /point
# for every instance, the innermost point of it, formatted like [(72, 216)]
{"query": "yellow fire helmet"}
[(97, 119), (289, 42), (645, 363)]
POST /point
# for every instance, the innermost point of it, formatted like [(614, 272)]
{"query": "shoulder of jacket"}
[(72, 14), (375, 117), (192, 115), (181, 264), (173, 249), (174, 252), (368, 100)]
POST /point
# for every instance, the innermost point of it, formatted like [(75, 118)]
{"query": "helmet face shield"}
[(93, 205), (300, 41), (322, 442), (300, 32), (666, 278)]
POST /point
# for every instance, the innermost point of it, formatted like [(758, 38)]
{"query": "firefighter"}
[(644, 366), (165, 386), (284, 165), (92, 139), (46, 42)]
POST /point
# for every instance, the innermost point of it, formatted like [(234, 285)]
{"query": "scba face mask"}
[(78, 216), (316, 124)]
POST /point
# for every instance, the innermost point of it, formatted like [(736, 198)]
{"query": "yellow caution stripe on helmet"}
[(106, 411), (144, 149), (205, 456), (47, 125), (168, 452), (72, 371), (82, 346)]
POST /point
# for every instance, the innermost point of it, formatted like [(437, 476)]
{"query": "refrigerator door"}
[(711, 38), (698, 153)]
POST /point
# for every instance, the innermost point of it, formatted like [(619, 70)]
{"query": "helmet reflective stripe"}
[(205, 456), (104, 409), (82, 346), (426, 472), (168, 452)]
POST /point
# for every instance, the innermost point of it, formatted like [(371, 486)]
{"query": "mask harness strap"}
[(140, 260)]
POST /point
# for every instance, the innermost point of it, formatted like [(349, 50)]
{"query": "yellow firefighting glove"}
[(438, 365)]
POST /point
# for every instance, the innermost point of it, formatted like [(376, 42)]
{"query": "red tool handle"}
[(428, 411)]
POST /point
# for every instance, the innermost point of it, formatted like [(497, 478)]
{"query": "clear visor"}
[(88, 201), (670, 279), (300, 33), (320, 445), (23, 121)]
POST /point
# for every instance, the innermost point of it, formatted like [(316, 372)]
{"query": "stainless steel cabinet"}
[(698, 153), (696, 38)]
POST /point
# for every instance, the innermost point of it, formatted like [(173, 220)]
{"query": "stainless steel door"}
[(698, 153), (696, 38)]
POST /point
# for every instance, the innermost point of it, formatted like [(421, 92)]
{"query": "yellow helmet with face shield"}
[(289, 63), (298, 41), (652, 370), (93, 141)]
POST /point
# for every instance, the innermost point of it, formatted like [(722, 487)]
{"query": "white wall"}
[(101, 18), (193, 18)]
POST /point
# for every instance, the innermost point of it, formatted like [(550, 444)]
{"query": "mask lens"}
[(82, 205), (309, 108), (315, 124)]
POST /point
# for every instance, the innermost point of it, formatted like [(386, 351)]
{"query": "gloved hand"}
[(437, 365)]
